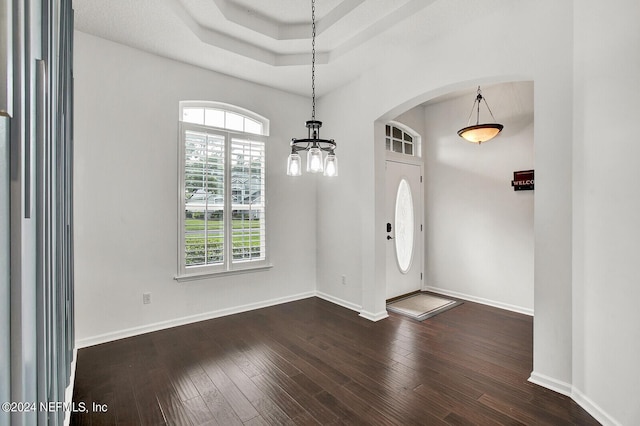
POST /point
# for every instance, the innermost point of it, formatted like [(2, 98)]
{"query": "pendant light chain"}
[(473, 107), (313, 59), (313, 144), (479, 98), (485, 102)]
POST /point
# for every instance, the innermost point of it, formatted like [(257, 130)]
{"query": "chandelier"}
[(479, 133), (313, 144)]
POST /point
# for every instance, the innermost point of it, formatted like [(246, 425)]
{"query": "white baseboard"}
[(371, 316), (338, 301), (135, 331), (374, 316), (592, 408), (495, 304), (364, 314), (68, 393), (551, 383), (574, 393), (345, 304)]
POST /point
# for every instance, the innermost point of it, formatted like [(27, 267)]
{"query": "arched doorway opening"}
[(478, 233)]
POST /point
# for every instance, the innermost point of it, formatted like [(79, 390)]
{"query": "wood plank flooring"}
[(312, 362)]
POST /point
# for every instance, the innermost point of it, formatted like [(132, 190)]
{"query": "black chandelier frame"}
[(312, 140)]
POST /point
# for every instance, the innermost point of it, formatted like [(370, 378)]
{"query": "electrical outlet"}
[(344, 280), (146, 298)]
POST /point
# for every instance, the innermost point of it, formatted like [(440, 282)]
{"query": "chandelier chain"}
[(474, 107), (313, 59), (485, 102)]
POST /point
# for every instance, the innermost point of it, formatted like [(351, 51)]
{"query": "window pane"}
[(408, 149), (214, 117), (248, 214), (234, 121), (404, 225), (195, 159), (252, 126), (248, 234), (215, 200), (397, 133), (215, 236), (388, 130), (408, 138), (397, 146), (193, 115), (204, 198), (388, 144), (194, 249)]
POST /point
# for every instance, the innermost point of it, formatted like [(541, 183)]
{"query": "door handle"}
[(389, 237), (388, 227)]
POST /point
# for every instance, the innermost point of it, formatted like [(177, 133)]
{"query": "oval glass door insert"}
[(404, 226)]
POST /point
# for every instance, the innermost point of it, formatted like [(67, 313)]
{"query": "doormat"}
[(422, 306)]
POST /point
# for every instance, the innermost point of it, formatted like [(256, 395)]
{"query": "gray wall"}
[(36, 266), (4, 267)]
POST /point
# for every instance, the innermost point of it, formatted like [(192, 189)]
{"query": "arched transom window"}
[(223, 116), (401, 139)]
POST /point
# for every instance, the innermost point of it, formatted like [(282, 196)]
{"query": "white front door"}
[(404, 199)]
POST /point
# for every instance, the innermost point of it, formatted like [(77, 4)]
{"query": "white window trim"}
[(228, 267)]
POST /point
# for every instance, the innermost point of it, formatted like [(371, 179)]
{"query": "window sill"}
[(206, 275)]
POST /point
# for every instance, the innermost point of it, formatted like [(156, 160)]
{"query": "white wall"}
[(126, 146), (586, 328), (606, 287), (505, 43), (479, 231), (584, 248)]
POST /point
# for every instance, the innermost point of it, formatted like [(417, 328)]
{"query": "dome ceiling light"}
[(479, 133)]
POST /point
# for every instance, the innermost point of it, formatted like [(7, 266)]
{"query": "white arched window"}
[(222, 195), (223, 116), (402, 139)]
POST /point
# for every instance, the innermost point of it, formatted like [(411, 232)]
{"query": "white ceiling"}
[(269, 41)]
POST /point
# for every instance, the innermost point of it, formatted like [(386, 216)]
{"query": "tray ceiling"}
[(267, 41)]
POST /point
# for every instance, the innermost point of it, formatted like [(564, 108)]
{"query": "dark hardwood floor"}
[(312, 362)]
